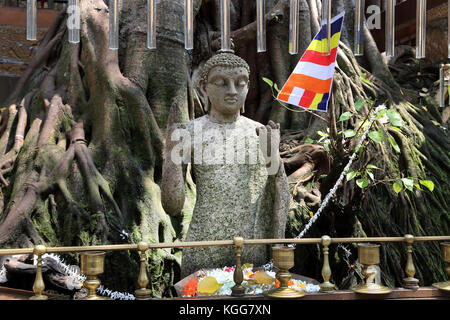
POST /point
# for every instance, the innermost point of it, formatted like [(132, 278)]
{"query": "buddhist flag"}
[(309, 85)]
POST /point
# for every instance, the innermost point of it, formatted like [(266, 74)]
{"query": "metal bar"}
[(421, 18), (225, 25), (390, 28), (151, 24), (359, 20), (260, 26), (74, 21), (188, 25), (31, 19), (293, 27), (113, 24), (118, 247)]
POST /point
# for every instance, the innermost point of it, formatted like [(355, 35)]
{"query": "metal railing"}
[(142, 247)]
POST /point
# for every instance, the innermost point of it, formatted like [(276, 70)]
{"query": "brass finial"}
[(143, 293), (238, 290), (326, 286), (39, 286), (410, 282)]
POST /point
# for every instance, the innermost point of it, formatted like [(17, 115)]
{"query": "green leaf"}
[(376, 136), (351, 174), (268, 81), (345, 116), (417, 186), (371, 176), (322, 134), (359, 104), (394, 144), (362, 183), (308, 141), (427, 183), (409, 183), (275, 86), (371, 166), (349, 133), (398, 186), (364, 78), (396, 128), (380, 113), (395, 118)]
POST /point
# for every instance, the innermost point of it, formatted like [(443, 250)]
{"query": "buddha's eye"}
[(241, 83), (219, 82)]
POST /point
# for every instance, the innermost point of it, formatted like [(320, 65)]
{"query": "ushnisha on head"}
[(225, 80)]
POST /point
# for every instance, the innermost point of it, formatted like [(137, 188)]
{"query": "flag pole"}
[(326, 18), (225, 25)]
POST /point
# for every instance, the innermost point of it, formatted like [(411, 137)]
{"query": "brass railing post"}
[(143, 293), (326, 286), (238, 290), (410, 282), (39, 286)]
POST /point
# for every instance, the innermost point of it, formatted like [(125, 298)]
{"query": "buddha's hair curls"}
[(222, 60)]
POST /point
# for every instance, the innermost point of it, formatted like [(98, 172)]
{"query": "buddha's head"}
[(225, 80)]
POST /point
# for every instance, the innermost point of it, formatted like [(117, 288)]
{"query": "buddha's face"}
[(227, 89)]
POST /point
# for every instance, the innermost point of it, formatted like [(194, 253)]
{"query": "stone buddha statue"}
[(242, 188)]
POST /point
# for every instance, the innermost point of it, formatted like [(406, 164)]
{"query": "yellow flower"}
[(311, 214)]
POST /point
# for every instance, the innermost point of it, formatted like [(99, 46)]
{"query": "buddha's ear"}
[(202, 89)]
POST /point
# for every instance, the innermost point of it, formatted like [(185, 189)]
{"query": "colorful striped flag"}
[(309, 85)]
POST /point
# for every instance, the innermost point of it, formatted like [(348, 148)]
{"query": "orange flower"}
[(277, 283), (190, 289)]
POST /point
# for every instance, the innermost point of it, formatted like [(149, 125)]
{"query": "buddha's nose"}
[(232, 89)]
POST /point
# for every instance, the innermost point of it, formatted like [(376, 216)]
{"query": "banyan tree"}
[(82, 139)]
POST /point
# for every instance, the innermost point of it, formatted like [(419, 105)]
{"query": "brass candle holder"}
[(92, 265), (445, 246), (369, 256), (283, 259)]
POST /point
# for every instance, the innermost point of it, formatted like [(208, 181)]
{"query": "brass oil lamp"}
[(283, 259), (369, 256), (445, 246), (92, 265)]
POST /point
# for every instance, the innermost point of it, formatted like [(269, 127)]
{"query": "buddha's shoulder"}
[(205, 121)]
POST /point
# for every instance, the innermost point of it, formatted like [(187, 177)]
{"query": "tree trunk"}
[(82, 141)]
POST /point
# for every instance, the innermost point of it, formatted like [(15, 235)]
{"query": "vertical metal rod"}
[(188, 25), (448, 28), (390, 28), (359, 20), (326, 286), (143, 293), (293, 27), (410, 282), (261, 26), (225, 25), (441, 86), (31, 19), (39, 286), (326, 19), (421, 20), (74, 21), (238, 290), (113, 24), (151, 24)]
